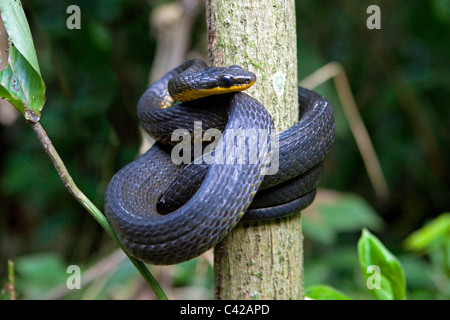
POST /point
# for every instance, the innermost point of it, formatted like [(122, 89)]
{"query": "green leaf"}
[(21, 81), (18, 30), (435, 230), (22, 86), (322, 292), (382, 271)]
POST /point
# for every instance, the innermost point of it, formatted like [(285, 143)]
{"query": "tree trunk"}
[(260, 260)]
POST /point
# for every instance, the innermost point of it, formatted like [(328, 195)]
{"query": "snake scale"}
[(166, 213)]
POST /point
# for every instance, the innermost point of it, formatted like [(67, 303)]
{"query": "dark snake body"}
[(201, 204)]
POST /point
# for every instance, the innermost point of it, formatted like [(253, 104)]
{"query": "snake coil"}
[(166, 213)]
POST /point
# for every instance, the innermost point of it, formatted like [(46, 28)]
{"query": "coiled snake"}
[(166, 213)]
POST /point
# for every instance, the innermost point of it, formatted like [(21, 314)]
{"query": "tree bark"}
[(260, 260)]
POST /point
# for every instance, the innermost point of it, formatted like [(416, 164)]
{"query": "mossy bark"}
[(260, 260)]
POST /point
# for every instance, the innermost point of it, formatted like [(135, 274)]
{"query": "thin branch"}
[(88, 205)]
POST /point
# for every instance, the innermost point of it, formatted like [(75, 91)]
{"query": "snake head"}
[(233, 78), (194, 84)]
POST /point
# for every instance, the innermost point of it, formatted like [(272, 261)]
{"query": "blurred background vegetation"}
[(400, 78)]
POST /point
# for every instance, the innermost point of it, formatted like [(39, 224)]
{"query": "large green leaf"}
[(377, 261), (21, 81), (18, 30)]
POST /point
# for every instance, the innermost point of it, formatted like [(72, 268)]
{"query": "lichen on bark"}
[(260, 260)]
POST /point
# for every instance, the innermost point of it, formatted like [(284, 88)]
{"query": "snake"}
[(165, 211)]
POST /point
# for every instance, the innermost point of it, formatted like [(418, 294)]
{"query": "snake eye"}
[(226, 81)]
